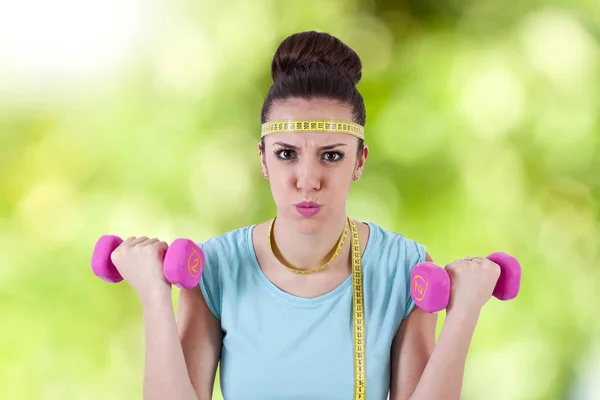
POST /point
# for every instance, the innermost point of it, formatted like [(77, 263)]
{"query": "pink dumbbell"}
[(182, 265), (430, 284)]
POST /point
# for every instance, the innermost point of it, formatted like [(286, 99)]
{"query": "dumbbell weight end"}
[(183, 263), (102, 265), (430, 287), (509, 282)]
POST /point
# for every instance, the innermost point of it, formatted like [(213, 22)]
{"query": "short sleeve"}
[(415, 254), (210, 280)]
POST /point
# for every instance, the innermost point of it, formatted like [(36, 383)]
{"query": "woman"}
[(276, 300)]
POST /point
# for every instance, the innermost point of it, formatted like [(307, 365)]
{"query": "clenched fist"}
[(472, 282), (140, 263)]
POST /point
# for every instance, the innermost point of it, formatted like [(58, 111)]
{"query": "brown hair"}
[(311, 65)]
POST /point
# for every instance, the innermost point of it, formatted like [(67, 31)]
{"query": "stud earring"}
[(266, 176)]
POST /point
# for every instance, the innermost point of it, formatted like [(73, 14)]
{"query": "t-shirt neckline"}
[(276, 291)]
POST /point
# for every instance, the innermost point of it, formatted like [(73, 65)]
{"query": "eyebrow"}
[(325, 148)]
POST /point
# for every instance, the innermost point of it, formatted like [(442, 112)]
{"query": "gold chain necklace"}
[(340, 245)]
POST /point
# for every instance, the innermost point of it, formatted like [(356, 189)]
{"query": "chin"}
[(309, 225)]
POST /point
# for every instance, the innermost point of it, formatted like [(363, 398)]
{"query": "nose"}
[(308, 176)]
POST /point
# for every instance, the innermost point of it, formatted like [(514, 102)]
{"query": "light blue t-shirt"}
[(279, 346)]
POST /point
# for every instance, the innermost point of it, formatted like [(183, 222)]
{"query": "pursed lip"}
[(308, 204)]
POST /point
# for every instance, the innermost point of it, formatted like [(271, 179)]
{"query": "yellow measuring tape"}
[(360, 368)]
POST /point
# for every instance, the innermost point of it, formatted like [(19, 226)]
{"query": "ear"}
[(263, 160), (360, 162)]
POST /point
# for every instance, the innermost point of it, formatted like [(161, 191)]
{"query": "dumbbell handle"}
[(182, 264), (430, 284)]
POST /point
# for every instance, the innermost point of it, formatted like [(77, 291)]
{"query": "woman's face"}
[(314, 168)]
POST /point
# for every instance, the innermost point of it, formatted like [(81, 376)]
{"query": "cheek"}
[(279, 183), (340, 185)]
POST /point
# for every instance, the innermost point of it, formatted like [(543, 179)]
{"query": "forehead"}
[(310, 109), (300, 109)]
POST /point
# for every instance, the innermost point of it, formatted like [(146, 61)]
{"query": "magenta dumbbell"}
[(430, 284), (182, 265)]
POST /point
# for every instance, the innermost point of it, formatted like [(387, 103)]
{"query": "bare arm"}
[(424, 371), (443, 375), (411, 349), (166, 375), (201, 339)]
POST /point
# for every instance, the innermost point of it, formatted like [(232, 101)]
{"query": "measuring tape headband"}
[(313, 125)]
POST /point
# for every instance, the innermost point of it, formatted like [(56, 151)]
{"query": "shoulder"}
[(396, 249), (224, 253), (232, 243), (223, 256), (391, 260)]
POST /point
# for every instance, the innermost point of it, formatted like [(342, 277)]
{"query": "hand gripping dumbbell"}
[(430, 284), (182, 264)]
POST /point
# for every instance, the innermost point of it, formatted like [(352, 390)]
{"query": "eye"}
[(333, 156), (285, 154)]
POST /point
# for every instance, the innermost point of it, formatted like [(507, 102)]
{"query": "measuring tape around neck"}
[(360, 368)]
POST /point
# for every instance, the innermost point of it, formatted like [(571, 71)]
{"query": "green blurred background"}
[(143, 118)]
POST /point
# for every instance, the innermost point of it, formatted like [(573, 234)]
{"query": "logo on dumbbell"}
[(420, 286), (193, 264)]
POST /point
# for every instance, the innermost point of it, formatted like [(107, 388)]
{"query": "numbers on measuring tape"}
[(359, 317)]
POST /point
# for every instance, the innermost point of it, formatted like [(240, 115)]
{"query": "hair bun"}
[(304, 49)]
